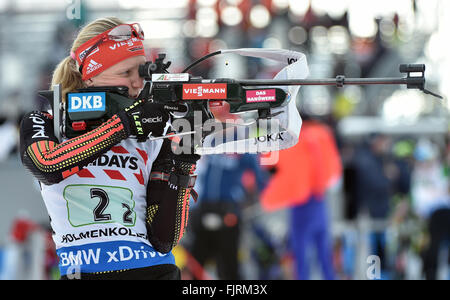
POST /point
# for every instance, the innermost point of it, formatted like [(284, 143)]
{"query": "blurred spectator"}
[(30, 252), (350, 208), (431, 200), (302, 177), (374, 175), (373, 170), (215, 220), (378, 176), (430, 184)]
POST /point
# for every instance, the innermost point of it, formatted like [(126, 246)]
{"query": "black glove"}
[(146, 118), (167, 161), (171, 184)]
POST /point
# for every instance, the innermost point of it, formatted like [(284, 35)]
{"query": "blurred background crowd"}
[(369, 177)]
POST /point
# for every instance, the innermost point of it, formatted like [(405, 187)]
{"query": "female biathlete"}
[(117, 204)]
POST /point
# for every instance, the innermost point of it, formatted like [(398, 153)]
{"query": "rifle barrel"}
[(328, 81)]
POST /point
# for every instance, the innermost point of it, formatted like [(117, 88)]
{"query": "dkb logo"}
[(87, 102)]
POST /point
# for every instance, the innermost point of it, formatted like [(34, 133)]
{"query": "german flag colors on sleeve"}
[(50, 161)]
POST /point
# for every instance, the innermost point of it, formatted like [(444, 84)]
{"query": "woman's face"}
[(124, 73)]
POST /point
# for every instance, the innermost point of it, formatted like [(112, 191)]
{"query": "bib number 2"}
[(87, 204)]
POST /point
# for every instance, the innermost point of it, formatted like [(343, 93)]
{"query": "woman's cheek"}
[(122, 82)]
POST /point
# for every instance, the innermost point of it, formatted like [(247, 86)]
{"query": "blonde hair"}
[(66, 72)]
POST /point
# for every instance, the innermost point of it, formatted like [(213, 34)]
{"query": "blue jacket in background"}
[(372, 187), (220, 176)]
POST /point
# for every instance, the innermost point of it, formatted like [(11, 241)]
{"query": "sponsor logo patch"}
[(133, 49), (260, 96), (205, 91), (152, 120), (83, 54), (92, 66), (170, 77), (128, 43), (79, 102)]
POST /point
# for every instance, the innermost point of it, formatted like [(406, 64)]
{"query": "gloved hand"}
[(167, 161), (171, 184), (146, 118)]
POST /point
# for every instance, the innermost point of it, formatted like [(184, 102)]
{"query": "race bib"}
[(92, 204)]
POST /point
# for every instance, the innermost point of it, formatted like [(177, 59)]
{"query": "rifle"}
[(185, 95)]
